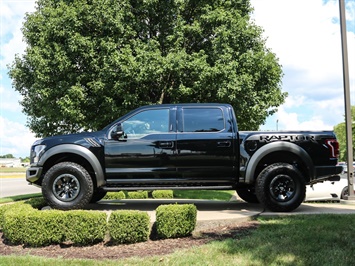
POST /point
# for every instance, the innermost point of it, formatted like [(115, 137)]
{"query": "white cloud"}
[(11, 18), (9, 100), (305, 36), (15, 138), (294, 101), (291, 121), (288, 119)]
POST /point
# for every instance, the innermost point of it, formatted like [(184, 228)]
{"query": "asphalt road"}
[(16, 186)]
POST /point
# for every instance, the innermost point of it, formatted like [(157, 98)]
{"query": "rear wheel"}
[(66, 186), (280, 187)]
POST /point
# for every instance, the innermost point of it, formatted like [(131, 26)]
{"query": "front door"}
[(144, 153)]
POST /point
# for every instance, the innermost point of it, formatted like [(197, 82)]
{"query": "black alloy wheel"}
[(280, 187), (67, 186)]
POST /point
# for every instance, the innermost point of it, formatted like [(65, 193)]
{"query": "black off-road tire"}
[(98, 195), (247, 194), (67, 186), (280, 187)]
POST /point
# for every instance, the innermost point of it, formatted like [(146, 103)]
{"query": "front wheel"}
[(66, 186), (280, 187)]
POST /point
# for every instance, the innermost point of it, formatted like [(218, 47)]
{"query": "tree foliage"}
[(90, 61), (7, 156), (340, 131)]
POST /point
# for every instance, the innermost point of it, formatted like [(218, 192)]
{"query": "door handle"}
[(224, 144), (165, 144)]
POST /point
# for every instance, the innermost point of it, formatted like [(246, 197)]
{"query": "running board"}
[(168, 188)]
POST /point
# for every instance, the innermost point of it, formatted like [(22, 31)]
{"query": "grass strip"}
[(19, 197), (204, 194)]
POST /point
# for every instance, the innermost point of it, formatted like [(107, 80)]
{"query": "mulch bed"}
[(105, 250)]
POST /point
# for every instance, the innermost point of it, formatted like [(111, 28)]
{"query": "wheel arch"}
[(279, 152), (77, 154)]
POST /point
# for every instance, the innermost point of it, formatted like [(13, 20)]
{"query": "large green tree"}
[(340, 131), (89, 61)]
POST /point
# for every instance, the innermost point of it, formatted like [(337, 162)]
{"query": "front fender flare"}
[(277, 147), (78, 150)]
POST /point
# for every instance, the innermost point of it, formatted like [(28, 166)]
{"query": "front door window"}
[(145, 123)]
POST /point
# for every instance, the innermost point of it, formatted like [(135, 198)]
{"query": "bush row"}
[(156, 194), (23, 223)]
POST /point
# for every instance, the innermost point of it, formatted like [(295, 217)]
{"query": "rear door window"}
[(203, 120)]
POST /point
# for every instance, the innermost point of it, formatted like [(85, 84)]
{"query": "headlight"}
[(37, 152)]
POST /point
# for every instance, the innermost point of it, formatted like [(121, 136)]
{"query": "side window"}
[(146, 122), (203, 120)]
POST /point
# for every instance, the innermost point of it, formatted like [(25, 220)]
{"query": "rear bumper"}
[(327, 173)]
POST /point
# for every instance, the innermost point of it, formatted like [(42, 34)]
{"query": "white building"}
[(10, 162)]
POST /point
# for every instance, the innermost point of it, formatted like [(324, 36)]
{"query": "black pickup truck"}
[(182, 146)]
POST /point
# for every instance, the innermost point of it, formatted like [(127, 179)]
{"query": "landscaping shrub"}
[(115, 195), (84, 227), (129, 226), (25, 225), (162, 194), (22, 224), (137, 194), (37, 203), (6, 207), (175, 220)]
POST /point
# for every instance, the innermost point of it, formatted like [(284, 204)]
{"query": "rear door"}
[(205, 144)]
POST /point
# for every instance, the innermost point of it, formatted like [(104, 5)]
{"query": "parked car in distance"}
[(328, 190), (345, 166)]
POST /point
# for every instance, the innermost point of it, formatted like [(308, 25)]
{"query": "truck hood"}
[(78, 138)]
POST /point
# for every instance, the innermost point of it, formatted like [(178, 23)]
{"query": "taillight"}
[(333, 146)]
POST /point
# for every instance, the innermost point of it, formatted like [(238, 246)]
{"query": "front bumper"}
[(33, 174)]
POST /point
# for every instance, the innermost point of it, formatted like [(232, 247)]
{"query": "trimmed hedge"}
[(129, 226), (5, 208), (175, 220), (84, 227), (25, 225), (156, 194), (37, 203), (22, 224), (137, 194), (115, 195), (162, 194)]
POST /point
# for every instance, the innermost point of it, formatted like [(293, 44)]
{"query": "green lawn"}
[(204, 194), (13, 169)]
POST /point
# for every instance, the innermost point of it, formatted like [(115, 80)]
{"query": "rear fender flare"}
[(277, 147)]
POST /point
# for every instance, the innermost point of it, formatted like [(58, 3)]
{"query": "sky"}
[(304, 35)]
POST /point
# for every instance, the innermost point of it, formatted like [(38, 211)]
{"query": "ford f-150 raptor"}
[(183, 146)]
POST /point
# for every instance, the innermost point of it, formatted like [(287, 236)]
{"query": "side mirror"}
[(117, 132)]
